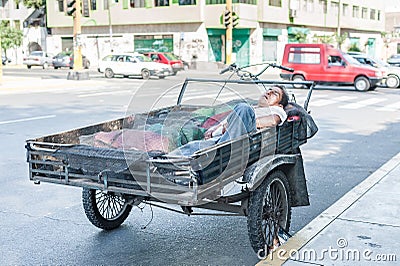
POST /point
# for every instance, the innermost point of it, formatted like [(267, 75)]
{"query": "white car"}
[(132, 64), (391, 73), (38, 58)]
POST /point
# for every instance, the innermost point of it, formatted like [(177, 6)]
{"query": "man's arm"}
[(268, 121)]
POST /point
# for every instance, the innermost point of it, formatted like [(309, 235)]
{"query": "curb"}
[(311, 230)]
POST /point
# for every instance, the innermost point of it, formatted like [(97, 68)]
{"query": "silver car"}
[(38, 58)]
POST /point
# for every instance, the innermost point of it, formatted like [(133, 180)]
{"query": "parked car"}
[(391, 74), (38, 58), (64, 59), (132, 64), (394, 60), (325, 64), (166, 58), (5, 60)]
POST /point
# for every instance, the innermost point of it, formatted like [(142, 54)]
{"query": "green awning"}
[(272, 32), (295, 30)]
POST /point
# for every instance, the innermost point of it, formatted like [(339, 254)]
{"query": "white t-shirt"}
[(271, 110), (259, 112)]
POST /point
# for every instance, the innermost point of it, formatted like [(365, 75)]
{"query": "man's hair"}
[(285, 96)]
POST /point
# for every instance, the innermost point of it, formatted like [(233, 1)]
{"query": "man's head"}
[(276, 95)]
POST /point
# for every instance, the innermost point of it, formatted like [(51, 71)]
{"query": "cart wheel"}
[(269, 210), (105, 210)]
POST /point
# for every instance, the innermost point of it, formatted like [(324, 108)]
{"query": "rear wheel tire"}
[(145, 74), (392, 81), (298, 78), (108, 73), (362, 84), (269, 211), (105, 210), (28, 66)]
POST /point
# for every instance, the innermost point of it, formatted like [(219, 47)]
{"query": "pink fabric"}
[(215, 119), (132, 139)]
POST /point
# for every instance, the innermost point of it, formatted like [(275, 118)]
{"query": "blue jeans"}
[(240, 122)]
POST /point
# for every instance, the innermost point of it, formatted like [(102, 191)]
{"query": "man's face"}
[(271, 97)]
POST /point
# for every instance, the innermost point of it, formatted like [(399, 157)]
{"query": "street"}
[(46, 225)]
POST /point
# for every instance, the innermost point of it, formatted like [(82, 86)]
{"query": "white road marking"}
[(104, 93), (390, 107), (361, 104), (26, 119)]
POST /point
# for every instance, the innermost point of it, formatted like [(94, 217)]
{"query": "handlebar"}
[(247, 74)]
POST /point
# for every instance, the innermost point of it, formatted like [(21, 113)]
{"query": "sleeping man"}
[(244, 119)]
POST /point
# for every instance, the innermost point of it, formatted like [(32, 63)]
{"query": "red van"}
[(166, 58), (325, 64)]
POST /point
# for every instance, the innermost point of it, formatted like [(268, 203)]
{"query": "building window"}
[(335, 8), (364, 13), (93, 5), (378, 15), (356, 12), (324, 6), (60, 6), (308, 5), (219, 2), (372, 14), (187, 2), (345, 10), (277, 3), (161, 3)]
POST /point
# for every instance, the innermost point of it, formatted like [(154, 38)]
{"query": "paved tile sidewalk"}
[(361, 228)]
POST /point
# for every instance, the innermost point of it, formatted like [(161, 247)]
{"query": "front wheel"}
[(362, 84), (269, 213), (392, 81), (108, 73), (145, 74), (298, 78), (105, 210)]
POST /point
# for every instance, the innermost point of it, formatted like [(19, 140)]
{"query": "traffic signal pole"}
[(229, 27), (77, 37)]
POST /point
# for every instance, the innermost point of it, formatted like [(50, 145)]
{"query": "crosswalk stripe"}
[(390, 107), (361, 104), (322, 102)]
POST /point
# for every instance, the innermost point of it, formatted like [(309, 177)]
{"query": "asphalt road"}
[(46, 225)]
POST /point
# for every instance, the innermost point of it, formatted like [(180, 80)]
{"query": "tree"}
[(10, 37), (32, 3), (341, 39)]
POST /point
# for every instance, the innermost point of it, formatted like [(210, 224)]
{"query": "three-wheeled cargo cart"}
[(127, 161)]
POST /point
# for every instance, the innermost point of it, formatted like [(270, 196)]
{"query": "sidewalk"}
[(361, 228)]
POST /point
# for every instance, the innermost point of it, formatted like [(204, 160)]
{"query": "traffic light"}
[(69, 7), (85, 8), (227, 18), (235, 19)]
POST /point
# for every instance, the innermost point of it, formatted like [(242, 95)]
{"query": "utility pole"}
[(338, 23), (77, 37), (74, 8), (110, 25), (229, 28)]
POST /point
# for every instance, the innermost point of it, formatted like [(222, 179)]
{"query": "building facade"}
[(193, 29)]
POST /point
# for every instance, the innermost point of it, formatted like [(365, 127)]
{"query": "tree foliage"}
[(10, 37), (32, 3)]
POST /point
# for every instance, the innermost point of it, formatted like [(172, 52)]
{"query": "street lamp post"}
[(110, 25), (229, 28)]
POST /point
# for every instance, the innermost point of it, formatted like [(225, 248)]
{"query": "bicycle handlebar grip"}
[(286, 68), (229, 68)]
